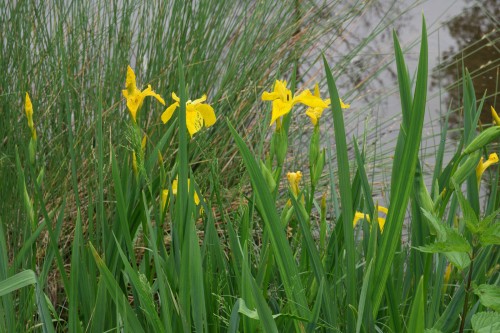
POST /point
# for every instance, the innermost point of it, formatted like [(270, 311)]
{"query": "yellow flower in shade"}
[(134, 96), (164, 195), (315, 112), (283, 101), (381, 221), (28, 108), (294, 179), (197, 113), (495, 116), (482, 166)]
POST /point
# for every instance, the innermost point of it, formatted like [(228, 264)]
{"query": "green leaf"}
[(454, 243), (416, 323), (432, 330), (17, 281), (119, 297), (287, 266), (345, 194), (491, 235), (405, 162), (489, 295), (486, 322), (470, 217)]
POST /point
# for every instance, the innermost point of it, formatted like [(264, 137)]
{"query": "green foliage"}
[(146, 255)]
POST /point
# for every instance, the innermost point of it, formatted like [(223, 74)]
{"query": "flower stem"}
[(467, 290)]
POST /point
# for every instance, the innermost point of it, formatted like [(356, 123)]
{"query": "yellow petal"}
[(269, 96), (383, 209), (381, 223), (167, 114), (482, 166), (134, 102), (174, 186), (194, 122), (495, 116), (199, 100), (309, 99), (175, 97), (359, 216), (280, 109), (314, 114), (130, 81), (208, 114), (28, 108), (344, 106), (316, 90), (149, 92), (164, 196)]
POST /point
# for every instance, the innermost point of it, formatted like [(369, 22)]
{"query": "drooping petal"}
[(314, 114), (149, 92), (134, 102), (280, 109), (208, 114), (194, 122), (167, 114)]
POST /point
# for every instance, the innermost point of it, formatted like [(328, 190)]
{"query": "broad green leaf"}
[(486, 322), (470, 217), (432, 330), (489, 295), (17, 281), (454, 242), (460, 260), (491, 235)]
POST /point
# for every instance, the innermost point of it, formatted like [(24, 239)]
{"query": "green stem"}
[(467, 291)]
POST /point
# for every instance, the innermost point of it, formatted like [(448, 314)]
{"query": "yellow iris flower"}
[(315, 112), (197, 113), (381, 221), (164, 194), (283, 101), (134, 96), (482, 166), (495, 116), (294, 179), (28, 108)]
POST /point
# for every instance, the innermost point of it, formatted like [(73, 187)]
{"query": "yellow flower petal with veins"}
[(198, 114), (134, 96), (360, 216), (482, 166)]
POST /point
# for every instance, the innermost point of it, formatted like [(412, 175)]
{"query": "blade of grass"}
[(345, 196)]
